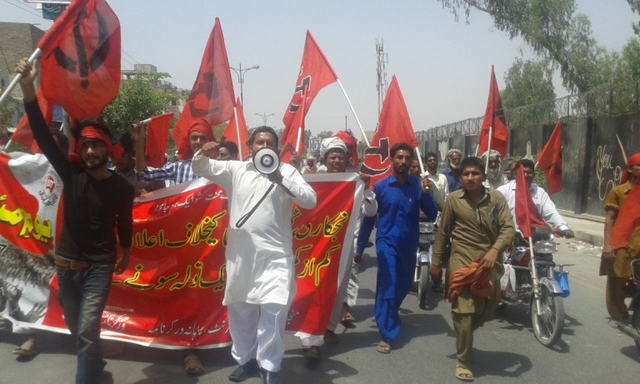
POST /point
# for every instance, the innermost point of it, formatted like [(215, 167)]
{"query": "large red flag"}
[(394, 126), (81, 59), (238, 135), (157, 139), (550, 160), (627, 221), (315, 74), (23, 134), (494, 119), (527, 215), (212, 96)]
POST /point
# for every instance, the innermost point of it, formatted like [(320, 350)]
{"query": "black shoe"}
[(269, 377), (312, 353), (244, 371)]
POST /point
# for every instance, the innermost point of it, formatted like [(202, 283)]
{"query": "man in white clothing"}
[(259, 258), (495, 177), (546, 207)]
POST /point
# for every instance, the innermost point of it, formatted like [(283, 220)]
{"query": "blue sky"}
[(442, 66)]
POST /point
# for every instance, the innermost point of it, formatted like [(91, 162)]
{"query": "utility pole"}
[(381, 71)]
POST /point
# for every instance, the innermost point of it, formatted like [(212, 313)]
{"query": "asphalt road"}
[(591, 350)]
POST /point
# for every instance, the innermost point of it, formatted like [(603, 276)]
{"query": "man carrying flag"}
[(546, 208), (621, 237)]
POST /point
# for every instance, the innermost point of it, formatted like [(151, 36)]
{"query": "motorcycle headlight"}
[(544, 247), (426, 227)]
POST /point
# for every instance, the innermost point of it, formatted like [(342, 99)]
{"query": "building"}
[(175, 106)]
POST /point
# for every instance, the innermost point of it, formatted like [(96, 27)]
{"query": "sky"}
[(442, 65)]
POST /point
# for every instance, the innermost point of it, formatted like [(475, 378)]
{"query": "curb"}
[(595, 240)]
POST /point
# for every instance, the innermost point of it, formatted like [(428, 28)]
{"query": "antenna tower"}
[(381, 72)]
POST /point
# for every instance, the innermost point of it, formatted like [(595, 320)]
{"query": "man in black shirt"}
[(96, 201)]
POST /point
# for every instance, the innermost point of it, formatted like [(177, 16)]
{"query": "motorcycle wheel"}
[(423, 286), (549, 324), (635, 323)]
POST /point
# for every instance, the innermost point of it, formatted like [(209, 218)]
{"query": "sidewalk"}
[(589, 230)]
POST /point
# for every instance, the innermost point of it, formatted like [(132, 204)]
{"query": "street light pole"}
[(240, 73), (265, 117)]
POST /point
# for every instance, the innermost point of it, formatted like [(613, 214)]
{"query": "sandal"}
[(463, 373), (29, 348), (192, 365), (330, 337), (383, 347)]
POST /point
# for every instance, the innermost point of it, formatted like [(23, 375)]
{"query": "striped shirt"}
[(179, 172)]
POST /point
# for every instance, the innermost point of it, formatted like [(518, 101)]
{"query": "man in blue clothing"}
[(454, 156), (400, 197)]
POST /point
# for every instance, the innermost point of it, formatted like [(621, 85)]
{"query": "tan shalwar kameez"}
[(473, 230)]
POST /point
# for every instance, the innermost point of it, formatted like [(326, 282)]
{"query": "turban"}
[(200, 126), (633, 160), (330, 144), (452, 151), (493, 153), (352, 145)]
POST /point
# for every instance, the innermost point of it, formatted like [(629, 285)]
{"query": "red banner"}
[(550, 160), (171, 295), (212, 96), (315, 74), (394, 127), (81, 59), (494, 126)]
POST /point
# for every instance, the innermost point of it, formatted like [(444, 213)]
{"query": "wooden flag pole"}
[(364, 137)]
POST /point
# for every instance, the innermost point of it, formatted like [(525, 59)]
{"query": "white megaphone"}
[(266, 161)]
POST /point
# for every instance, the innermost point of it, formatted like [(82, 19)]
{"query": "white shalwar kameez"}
[(259, 257)]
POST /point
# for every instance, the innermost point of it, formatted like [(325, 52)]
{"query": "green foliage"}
[(6, 112), (635, 7), (139, 99)]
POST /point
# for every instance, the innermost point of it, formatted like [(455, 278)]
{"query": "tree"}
[(137, 100), (635, 7), (6, 112), (528, 82), (550, 27)]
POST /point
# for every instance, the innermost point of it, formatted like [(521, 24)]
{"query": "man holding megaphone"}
[(259, 257)]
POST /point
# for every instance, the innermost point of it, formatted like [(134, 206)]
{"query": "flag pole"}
[(624, 154), (235, 115), (298, 141), (364, 137), (36, 54), (486, 165), (422, 172)]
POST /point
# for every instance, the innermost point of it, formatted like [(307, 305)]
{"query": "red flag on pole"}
[(493, 125), (212, 96), (315, 74), (527, 215), (81, 59), (627, 221), (157, 139), (23, 134), (550, 160), (238, 133), (394, 126)]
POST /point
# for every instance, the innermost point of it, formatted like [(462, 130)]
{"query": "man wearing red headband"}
[(615, 258), (177, 172), (96, 202)]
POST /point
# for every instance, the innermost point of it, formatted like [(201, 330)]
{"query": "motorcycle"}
[(534, 279), (421, 276), (633, 330)]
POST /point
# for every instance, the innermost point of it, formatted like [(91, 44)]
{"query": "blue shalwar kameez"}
[(396, 243)]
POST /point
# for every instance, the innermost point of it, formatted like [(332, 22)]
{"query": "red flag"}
[(315, 74), (550, 160), (212, 96), (527, 215), (157, 139), (352, 145), (494, 119), (231, 133), (627, 221), (23, 134), (81, 59), (394, 126)]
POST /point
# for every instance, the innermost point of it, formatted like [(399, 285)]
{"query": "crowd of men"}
[(472, 200)]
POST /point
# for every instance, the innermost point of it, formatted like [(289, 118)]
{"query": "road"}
[(591, 350)]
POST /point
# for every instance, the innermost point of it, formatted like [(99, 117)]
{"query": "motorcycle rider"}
[(615, 262), (543, 203)]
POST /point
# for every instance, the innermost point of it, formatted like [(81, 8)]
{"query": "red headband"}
[(200, 126), (633, 160)]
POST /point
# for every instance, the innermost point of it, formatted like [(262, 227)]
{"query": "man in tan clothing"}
[(478, 224)]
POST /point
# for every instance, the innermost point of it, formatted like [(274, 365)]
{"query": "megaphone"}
[(266, 161)]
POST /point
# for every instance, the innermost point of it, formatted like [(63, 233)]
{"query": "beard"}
[(494, 173), (102, 161), (454, 166)]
